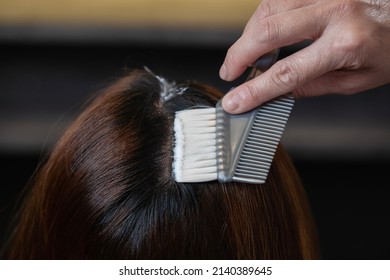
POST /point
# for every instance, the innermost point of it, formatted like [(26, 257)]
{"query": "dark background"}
[(340, 144)]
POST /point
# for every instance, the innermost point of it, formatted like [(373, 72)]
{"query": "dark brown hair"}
[(106, 191)]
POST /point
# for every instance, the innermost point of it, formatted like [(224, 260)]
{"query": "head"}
[(107, 191)]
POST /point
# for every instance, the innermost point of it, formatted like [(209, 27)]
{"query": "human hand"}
[(350, 51)]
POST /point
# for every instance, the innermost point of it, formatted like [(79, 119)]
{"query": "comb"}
[(211, 144)]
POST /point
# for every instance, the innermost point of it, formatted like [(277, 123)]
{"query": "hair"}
[(106, 190)]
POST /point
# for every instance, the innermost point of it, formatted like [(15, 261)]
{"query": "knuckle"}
[(351, 48), (286, 75), (265, 9), (268, 32), (351, 42), (251, 94)]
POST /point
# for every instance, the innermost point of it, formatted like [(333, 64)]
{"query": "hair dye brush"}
[(211, 144)]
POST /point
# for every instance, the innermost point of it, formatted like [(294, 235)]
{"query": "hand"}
[(350, 51)]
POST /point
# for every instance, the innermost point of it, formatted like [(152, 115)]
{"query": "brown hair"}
[(106, 191)]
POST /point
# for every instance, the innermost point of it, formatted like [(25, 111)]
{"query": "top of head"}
[(106, 191)]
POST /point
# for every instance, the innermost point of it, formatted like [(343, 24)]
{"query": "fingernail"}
[(231, 102), (223, 72)]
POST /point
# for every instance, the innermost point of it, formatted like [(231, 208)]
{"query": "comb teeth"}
[(262, 140)]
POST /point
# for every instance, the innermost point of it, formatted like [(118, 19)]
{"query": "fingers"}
[(344, 57), (276, 31), (286, 75)]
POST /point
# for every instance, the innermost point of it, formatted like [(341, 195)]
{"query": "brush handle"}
[(263, 64)]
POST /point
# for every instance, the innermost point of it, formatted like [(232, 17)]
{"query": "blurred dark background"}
[(340, 144)]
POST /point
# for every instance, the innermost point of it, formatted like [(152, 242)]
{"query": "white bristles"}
[(194, 154)]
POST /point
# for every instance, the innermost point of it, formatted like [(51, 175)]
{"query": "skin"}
[(349, 53)]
